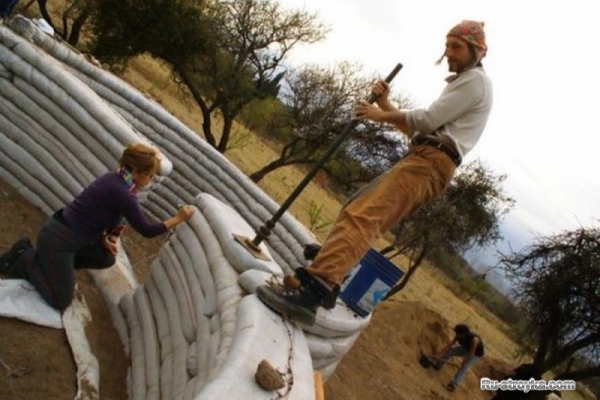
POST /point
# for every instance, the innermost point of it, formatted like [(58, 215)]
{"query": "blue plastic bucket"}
[(369, 282)]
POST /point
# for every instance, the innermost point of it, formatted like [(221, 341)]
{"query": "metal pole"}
[(264, 231)]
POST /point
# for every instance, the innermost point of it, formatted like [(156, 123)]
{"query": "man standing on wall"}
[(441, 136)]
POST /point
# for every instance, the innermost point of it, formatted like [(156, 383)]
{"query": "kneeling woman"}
[(84, 233)]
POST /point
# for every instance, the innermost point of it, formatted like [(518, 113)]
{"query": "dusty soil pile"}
[(383, 364)]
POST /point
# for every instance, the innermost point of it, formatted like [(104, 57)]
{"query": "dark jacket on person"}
[(465, 342)]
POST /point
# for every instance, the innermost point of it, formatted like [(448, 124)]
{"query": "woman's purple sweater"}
[(102, 205)]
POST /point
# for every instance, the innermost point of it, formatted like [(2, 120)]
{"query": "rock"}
[(268, 377)]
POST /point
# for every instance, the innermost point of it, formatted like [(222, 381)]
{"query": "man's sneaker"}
[(327, 293), (296, 304), (9, 258), (299, 303)]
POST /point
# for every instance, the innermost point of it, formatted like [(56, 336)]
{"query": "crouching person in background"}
[(465, 344), (85, 232)]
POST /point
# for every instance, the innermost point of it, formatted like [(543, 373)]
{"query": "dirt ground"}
[(36, 362)]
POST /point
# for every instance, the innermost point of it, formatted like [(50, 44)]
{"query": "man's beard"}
[(459, 66)]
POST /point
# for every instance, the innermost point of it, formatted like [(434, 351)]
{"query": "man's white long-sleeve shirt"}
[(460, 113)]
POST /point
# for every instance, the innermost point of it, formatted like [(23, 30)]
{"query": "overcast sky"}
[(542, 133)]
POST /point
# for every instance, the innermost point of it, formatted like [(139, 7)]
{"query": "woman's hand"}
[(109, 242), (185, 212)]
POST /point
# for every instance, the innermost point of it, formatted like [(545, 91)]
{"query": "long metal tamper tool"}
[(264, 231)]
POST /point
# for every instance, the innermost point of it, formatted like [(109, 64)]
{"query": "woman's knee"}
[(59, 301), (107, 261), (62, 303)]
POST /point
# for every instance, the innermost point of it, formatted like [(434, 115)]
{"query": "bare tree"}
[(557, 284), (226, 53), (253, 39), (318, 103), (74, 15)]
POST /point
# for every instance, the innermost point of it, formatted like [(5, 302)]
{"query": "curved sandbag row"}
[(289, 236), (195, 334), (47, 134), (163, 329), (31, 64), (334, 331), (190, 280), (270, 338), (25, 154), (74, 100), (20, 117)]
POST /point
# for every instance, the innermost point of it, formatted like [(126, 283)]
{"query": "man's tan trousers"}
[(419, 177)]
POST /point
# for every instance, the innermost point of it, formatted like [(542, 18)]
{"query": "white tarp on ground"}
[(19, 299)]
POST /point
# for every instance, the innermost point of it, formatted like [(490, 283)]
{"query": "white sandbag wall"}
[(194, 329), (214, 334)]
